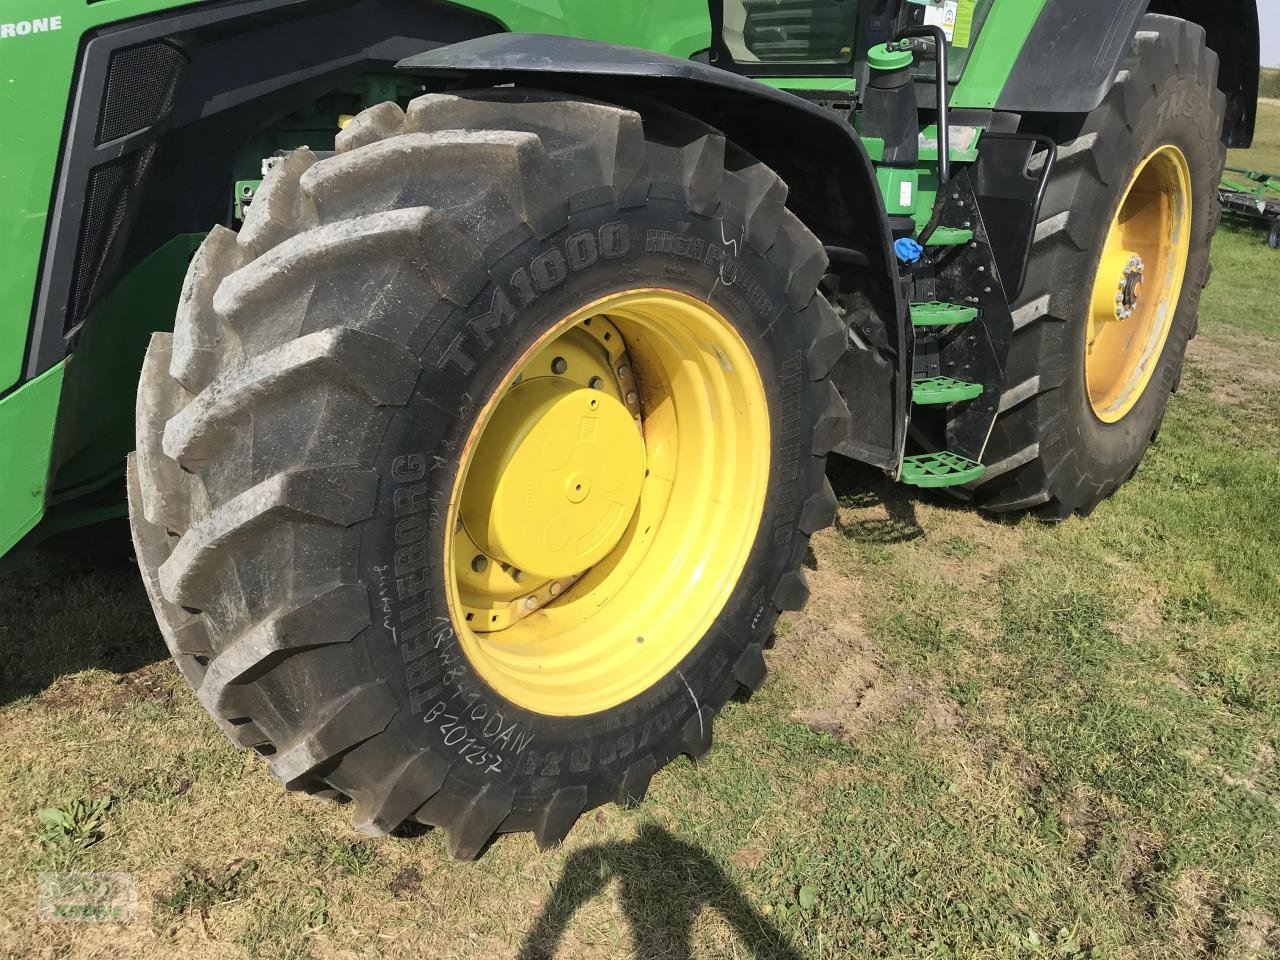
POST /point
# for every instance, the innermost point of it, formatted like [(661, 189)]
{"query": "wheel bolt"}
[(631, 396), (517, 575), (530, 602), (595, 383), (559, 365), (479, 562), (555, 589), (623, 371)]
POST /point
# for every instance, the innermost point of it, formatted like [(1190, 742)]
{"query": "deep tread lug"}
[(792, 592), (819, 511), (750, 670), (334, 616), (280, 209), (512, 162), (478, 820), (363, 713), (829, 341), (420, 234), (380, 369), (635, 782), (390, 803), (369, 126), (560, 815), (832, 426), (334, 495), (164, 490), (198, 346), (696, 737)]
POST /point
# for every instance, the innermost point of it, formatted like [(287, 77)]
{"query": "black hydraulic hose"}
[(944, 96), (847, 255)]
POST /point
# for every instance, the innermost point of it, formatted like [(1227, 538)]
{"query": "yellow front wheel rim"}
[(1138, 284), (606, 502)]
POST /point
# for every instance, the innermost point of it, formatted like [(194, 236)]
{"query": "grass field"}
[(980, 739)]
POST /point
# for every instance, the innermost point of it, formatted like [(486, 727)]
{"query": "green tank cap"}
[(880, 57)]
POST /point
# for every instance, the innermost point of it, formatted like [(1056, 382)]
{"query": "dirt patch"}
[(1238, 366), (862, 694), (1257, 936), (1198, 917)]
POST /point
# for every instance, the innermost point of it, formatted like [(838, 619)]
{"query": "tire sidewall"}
[(445, 707), (1179, 113)]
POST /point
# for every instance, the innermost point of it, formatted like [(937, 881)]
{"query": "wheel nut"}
[(517, 575), (623, 371), (530, 602), (595, 383), (559, 365), (555, 589), (479, 562), (631, 396)]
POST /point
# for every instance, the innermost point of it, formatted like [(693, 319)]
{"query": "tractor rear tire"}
[(1050, 452), (301, 434)]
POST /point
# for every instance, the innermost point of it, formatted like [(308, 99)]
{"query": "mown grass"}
[(1269, 83), (1264, 155), (981, 739)]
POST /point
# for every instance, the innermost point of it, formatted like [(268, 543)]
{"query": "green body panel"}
[(821, 84), (95, 417), (37, 71), (69, 429), (1002, 38), (26, 435)]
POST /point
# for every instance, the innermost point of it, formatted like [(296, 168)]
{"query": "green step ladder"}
[(949, 237), (936, 391), (942, 469), (935, 314)]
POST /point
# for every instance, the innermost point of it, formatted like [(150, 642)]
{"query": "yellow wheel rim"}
[(1138, 284), (606, 502)]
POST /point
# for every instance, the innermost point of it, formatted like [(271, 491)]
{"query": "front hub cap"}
[(556, 479), (1138, 284), (606, 502)]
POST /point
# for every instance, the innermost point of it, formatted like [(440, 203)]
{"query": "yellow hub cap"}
[(1138, 284), (556, 478), (606, 503)]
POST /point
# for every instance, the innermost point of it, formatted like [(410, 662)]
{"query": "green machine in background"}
[(482, 359), (1254, 198)]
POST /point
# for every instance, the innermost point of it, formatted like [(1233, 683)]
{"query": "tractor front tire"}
[(1071, 430), (365, 453)]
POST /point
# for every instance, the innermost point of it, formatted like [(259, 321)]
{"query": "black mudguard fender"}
[(815, 150)]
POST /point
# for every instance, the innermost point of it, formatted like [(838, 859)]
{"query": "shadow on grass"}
[(664, 883), (72, 606), (859, 485)]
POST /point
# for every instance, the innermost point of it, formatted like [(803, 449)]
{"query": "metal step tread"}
[(949, 237), (937, 314), (942, 469), (939, 390)]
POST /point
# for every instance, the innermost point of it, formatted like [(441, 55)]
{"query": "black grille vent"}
[(106, 205), (141, 82)]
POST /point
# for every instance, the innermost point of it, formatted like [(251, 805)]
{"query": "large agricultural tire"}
[(1050, 451), (302, 435)]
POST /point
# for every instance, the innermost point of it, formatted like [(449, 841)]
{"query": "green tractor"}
[(509, 346)]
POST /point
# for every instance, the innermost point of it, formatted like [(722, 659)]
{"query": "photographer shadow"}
[(664, 883)]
